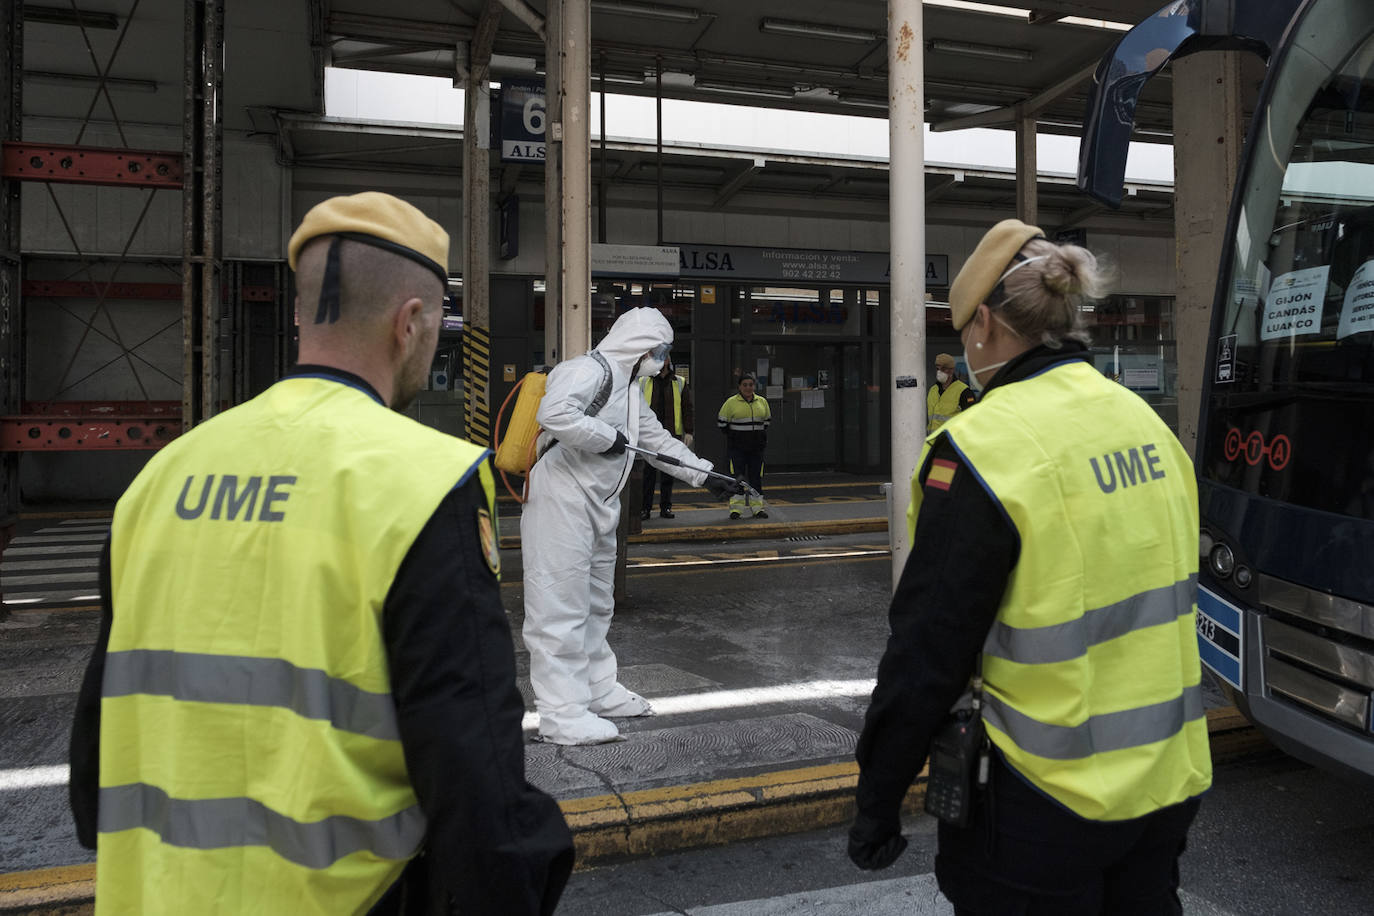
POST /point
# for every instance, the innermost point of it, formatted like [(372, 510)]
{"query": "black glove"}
[(724, 489), (618, 446), (873, 855)]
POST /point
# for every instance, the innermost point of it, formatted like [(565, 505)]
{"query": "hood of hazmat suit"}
[(568, 526)]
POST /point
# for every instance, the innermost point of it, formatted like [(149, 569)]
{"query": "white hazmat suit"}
[(568, 528)]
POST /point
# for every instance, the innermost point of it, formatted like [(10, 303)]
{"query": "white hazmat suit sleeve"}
[(570, 390)]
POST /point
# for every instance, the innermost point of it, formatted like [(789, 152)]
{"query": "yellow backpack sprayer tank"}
[(515, 450)]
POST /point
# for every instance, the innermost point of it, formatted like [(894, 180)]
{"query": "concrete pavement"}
[(756, 640)]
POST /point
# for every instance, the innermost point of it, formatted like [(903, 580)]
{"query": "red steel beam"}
[(90, 165), (83, 434)]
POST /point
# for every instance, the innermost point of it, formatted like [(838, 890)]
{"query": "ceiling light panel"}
[(797, 29), (658, 11), (969, 49)]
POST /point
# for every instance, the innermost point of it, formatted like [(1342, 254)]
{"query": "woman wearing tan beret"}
[(1051, 582)]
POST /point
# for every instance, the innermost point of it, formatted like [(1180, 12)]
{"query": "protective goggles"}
[(660, 352)]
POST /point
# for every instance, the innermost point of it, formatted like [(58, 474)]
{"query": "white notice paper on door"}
[(1294, 304), (1357, 312)]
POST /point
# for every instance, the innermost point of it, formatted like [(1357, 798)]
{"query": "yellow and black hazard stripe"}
[(476, 382)]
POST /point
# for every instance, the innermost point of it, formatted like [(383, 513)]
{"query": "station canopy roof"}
[(812, 55)]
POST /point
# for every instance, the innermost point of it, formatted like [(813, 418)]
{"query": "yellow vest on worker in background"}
[(250, 759), (1091, 672), (941, 405), (646, 387)]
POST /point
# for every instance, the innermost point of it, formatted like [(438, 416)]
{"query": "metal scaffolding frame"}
[(233, 315)]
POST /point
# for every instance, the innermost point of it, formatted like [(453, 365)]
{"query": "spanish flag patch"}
[(941, 474)]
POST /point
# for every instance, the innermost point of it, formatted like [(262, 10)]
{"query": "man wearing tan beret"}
[(948, 396), (302, 697)]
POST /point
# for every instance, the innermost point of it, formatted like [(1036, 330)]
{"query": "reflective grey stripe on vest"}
[(1063, 641), (218, 823), (1111, 731), (249, 681)]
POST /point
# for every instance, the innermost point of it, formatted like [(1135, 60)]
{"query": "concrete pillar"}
[(1027, 189), (477, 254), (553, 182), (906, 126), (1208, 134), (576, 208)]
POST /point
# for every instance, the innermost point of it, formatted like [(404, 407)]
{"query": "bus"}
[(1285, 452)]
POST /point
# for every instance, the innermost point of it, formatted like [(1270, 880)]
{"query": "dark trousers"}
[(1025, 855), (651, 477), (749, 465)]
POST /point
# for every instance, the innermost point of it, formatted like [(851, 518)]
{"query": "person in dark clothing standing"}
[(1053, 571), (744, 418), (671, 400), (302, 694)]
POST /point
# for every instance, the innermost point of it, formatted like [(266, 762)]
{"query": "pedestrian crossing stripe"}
[(941, 474)]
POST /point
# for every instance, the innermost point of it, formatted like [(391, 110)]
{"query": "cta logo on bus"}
[(1278, 451)]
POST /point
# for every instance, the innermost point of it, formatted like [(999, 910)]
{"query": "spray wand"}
[(749, 491)]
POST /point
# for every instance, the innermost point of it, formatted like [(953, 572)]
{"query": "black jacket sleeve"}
[(945, 603), (497, 844), (84, 755)]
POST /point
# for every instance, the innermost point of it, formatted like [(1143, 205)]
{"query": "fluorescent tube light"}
[(817, 30), (646, 10), (969, 49), (758, 92), (1025, 14)]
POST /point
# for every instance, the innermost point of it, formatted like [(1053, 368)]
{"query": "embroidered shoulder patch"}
[(491, 548), (941, 474)]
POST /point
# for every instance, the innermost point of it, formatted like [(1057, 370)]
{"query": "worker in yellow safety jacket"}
[(744, 418), (667, 393), (1052, 576), (304, 674), (947, 396)]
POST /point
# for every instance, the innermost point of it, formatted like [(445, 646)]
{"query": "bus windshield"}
[(1291, 407)]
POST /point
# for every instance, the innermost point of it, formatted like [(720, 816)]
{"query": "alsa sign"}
[(799, 265), (522, 121)]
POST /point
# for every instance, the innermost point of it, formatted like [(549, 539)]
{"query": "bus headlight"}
[(1222, 560), (1243, 576), (1205, 543)]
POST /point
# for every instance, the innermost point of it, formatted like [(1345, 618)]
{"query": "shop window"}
[(804, 312)]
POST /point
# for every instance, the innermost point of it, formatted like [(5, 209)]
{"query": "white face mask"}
[(973, 382), (942, 377), (653, 362)]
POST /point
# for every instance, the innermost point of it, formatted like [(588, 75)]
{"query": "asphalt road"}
[(1274, 837)]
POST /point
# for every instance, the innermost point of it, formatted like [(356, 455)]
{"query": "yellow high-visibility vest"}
[(250, 758), (1091, 672), (646, 387), (941, 405)]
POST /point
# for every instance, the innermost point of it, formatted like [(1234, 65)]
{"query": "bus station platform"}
[(757, 641)]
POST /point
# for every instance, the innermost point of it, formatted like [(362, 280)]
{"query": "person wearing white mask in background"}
[(590, 411), (948, 396)]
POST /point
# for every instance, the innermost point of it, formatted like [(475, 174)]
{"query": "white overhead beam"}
[(528, 15)]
